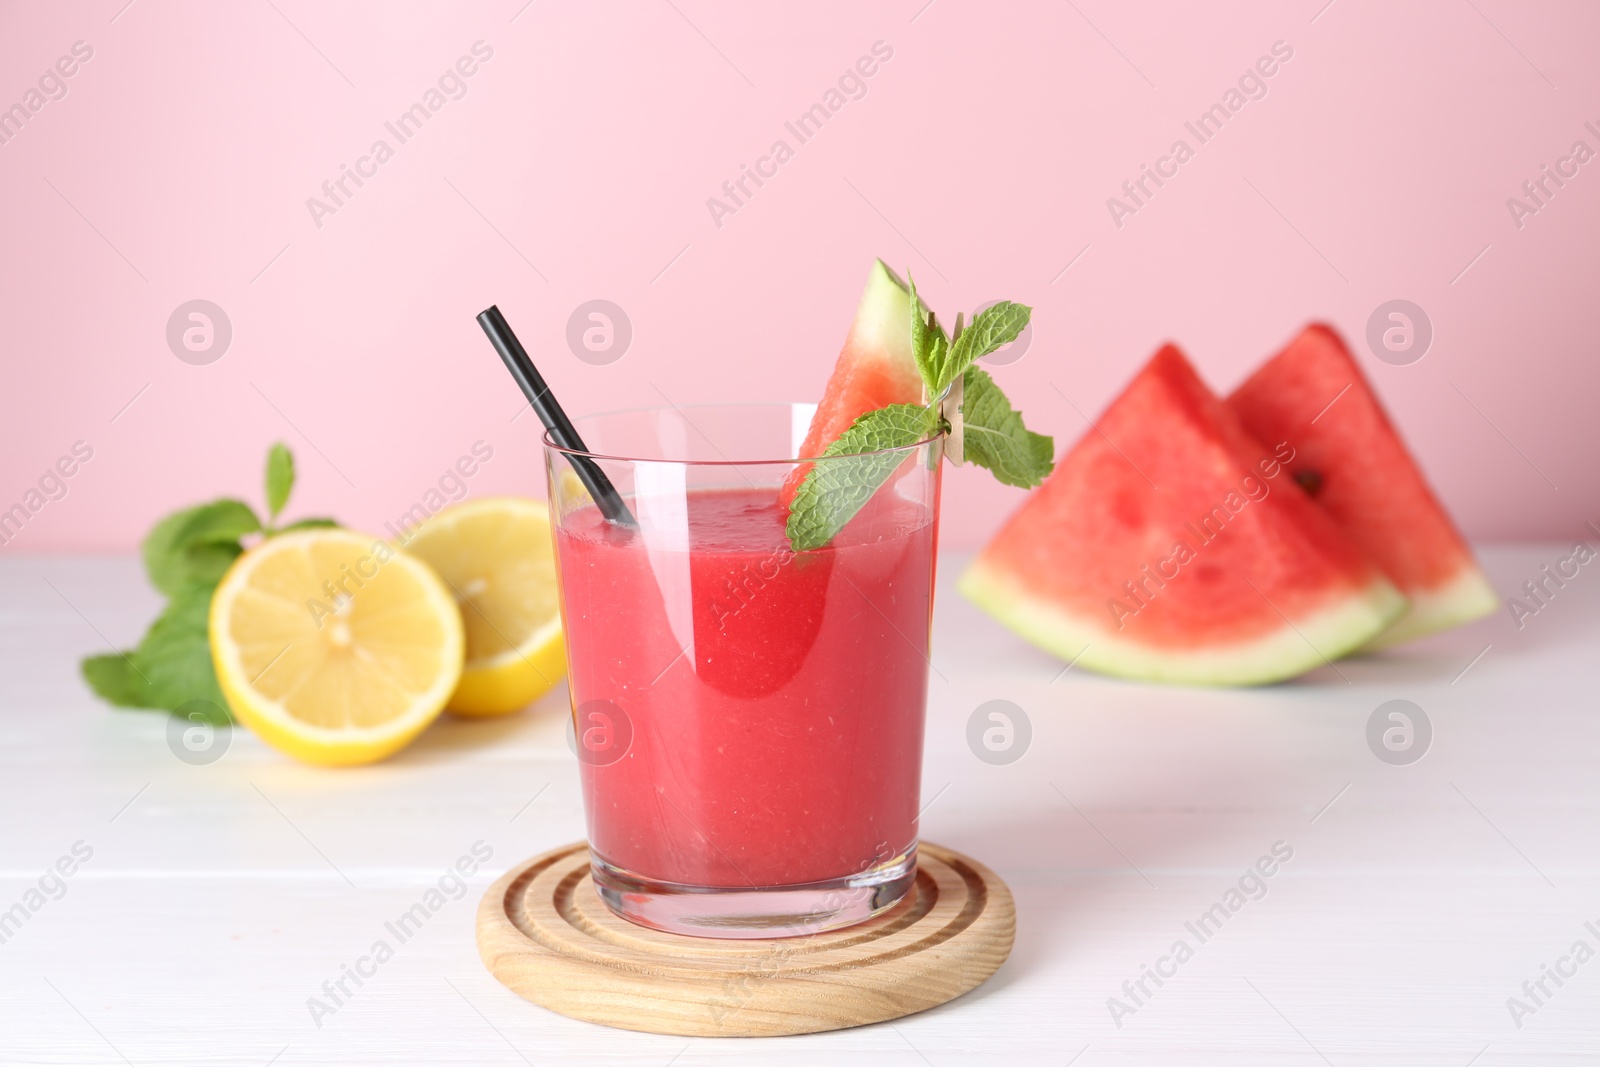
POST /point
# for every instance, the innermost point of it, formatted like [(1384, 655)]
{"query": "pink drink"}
[(774, 701)]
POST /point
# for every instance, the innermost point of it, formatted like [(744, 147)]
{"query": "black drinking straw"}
[(555, 420)]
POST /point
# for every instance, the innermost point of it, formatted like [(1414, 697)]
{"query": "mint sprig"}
[(186, 555), (862, 458), (942, 360)]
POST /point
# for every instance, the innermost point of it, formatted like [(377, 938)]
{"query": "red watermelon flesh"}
[(1351, 460), (1171, 545), (875, 369)]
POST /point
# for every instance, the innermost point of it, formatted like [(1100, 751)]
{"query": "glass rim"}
[(552, 446)]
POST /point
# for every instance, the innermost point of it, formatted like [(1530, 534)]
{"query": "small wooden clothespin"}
[(950, 409)]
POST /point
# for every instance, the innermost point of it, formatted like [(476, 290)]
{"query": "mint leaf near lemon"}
[(280, 478), (185, 555), (197, 544), (116, 680), (175, 657)]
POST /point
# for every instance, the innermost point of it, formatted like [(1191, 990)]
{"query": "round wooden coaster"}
[(544, 932)]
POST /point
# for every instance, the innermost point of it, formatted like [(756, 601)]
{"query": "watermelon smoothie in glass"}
[(748, 718)]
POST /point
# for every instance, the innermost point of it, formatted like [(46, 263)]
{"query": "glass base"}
[(774, 911)]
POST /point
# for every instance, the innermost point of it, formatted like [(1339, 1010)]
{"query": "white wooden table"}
[(219, 898)]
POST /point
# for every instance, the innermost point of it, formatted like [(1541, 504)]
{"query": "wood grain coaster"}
[(544, 932)]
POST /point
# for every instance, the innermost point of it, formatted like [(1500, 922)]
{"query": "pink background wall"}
[(578, 165)]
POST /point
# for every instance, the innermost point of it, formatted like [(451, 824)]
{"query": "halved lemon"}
[(496, 556), (334, 647)]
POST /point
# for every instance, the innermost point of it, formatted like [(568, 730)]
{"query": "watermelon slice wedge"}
[(1351, 460), (1170, 545), (875, 369)]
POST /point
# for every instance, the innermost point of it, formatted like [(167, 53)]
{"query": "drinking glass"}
[(748, 718)]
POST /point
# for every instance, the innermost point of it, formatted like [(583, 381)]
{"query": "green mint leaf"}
[(833, 492), (163, 551), (218, 521), (920, 334), (938, 357), (989, 329), (280, 478), (175, 655), (197, 544), (206, 563), (186, 555), (172, 665), (994, 436), (929, 345), (116, 680), (304, 524)]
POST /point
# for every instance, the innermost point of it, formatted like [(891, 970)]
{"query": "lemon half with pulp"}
[(497, 559), (334, 647)]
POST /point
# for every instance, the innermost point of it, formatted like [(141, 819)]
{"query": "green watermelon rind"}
[(1300, 645), (883, 315), (1465, 598)]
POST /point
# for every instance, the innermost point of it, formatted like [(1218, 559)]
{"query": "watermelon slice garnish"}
[(1171, 545), (876, 368), (1354, 464)]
